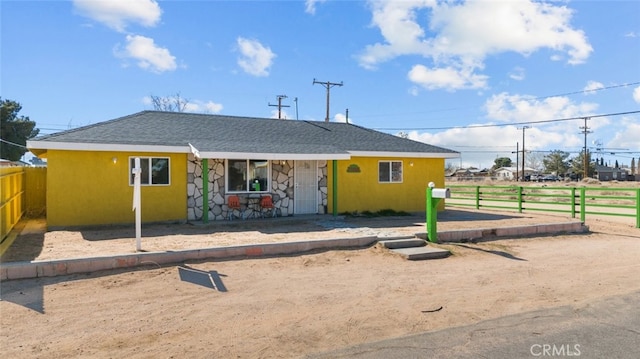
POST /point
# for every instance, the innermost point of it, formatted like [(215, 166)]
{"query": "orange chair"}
[(267, 203), (233, 203)]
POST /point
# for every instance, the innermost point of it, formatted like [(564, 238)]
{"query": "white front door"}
[(305, 192)]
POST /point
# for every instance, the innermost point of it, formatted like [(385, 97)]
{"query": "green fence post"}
[(519, 199), (583, 205), (573, 202), (477, 197), (638, 208)]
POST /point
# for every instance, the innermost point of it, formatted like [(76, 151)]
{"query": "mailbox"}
[(441, 193)]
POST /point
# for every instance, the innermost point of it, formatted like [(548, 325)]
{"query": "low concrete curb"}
[(516, 231), (52, 268)]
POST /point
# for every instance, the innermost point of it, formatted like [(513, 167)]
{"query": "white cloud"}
[(627, 135), (517, 73), (636, 94), (310, 6), (193, 106), (481, 143), (521, 108), (255, 59), (148, 55), (197, 106), (592, 87), (446, 78), (284, 115), (117, 14), (459, 36), (340, 117)]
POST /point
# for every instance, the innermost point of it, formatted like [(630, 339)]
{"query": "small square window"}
[(155, 170), (248, 176), (390, 171)]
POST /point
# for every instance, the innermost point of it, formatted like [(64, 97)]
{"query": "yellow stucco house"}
[(306, 167)]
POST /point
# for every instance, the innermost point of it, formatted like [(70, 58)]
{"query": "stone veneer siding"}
[(282, 185)]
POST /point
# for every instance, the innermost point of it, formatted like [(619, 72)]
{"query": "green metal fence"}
[(583, 201)]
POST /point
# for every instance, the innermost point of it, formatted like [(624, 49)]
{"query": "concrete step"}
[(420, 253), (402, 243)]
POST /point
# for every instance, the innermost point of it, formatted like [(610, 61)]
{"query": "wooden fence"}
[(22, 193)]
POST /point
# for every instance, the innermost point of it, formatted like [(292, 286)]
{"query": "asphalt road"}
[(608, 328)]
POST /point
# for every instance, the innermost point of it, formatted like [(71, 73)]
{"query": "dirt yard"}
[(293, 306)]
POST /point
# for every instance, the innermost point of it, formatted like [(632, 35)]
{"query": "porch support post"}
[(205, 191), (335, 187)]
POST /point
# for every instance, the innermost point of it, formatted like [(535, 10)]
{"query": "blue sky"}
[(465, 75)]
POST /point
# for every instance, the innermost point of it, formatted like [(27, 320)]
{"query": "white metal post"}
[(136, 202)]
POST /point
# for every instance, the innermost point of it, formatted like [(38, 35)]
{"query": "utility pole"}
[(523, 129), (328, 85), (517, 160), (280, 105), (296, 101), (585, 159)]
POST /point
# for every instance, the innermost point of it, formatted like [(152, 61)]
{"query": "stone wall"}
[(282, 190)]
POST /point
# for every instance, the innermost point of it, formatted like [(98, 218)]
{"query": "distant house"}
[(606, 173), (192, 163), (470, 174), (512, 173)]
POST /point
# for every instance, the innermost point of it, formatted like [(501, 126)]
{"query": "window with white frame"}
[(248, 175), (390, 171), (155, 171)]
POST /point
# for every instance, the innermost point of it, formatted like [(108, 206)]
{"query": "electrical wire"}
[(505, 124)]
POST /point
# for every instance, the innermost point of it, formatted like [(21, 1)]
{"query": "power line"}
[(505, 124), (12, 143), (533, 98)]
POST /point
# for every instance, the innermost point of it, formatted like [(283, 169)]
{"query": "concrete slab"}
[(402, 243), (420, 253)]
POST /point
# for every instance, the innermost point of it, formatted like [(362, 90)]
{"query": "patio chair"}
[(233, 203), (266, 203)]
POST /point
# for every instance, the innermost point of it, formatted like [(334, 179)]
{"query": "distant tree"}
[(169, 103), (633, 165), (534, 160), (501, 162), (14, 130), (601, 161), (577, 165), (617, 165), (556, 161)]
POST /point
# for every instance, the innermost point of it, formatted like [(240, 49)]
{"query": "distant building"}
[(512, 173), (606, 173), (471, 174)]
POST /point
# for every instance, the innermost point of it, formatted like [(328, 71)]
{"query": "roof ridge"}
[(81, 128)]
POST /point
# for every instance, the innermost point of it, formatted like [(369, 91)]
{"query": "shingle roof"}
[(231, 134)]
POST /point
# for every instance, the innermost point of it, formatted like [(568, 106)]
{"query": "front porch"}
[(295, 186)]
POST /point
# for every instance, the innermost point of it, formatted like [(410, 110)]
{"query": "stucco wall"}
[(88, 188), (361, 191)]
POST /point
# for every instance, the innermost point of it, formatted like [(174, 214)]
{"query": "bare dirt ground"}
[(292, 306)]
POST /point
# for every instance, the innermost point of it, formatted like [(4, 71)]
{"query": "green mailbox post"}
[(434, 195)]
